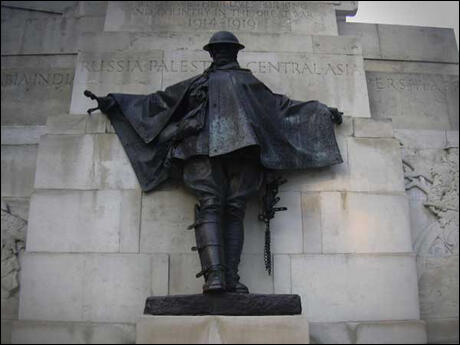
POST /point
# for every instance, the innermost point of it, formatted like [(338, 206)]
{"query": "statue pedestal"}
[(223, 318), (224, 303), (218, 329)]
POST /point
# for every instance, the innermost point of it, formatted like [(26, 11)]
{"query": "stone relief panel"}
[(13, 229), (439, 184), (432, 183)]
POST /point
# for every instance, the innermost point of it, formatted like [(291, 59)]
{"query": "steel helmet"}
[(223, 37)]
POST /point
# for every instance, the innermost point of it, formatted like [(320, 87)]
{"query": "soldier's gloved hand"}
[(336, 115), (103, 103)]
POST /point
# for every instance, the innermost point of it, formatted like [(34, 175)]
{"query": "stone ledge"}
[(452, 138), (223, 330), (21, 135), (381, 332), (224, 304), (421, 138), (442, 331), (370, 128), (57, 332)]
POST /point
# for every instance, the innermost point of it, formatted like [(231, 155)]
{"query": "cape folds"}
[(290, 134)]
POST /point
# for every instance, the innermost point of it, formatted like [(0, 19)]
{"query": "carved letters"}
[(181, 66), (30, 78)]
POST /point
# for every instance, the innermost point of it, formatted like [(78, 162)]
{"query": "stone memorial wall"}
[(412, 77), (370, 245)]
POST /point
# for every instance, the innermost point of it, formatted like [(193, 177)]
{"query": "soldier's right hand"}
[(103, 103)]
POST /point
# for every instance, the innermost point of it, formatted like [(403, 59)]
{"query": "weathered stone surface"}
[(83, 162), (18, 170), (47, 6), (91, 8), (224, 304), (394, 66), (403, 42), (356, 287), (84, 287), (90, 25), (421, 139), (375, 165), (165, 218), (185, 16), (334, 45), (383, 332), (6, 331), (58, 124), (84, 221), (398, 332), (370, 128), (117, 286), (332, 332), (413, 100), (452, 138), (29, 80), (442, 331), (48, 332), (160, 274), (21, 135), (367, 34), (438, 286), (183, 268), (311, 220), (96, 123), (282, 274), (286, 329), (36, 32), (194, 41), (51, 287), (364, 223), (117, 72), (417, 43)]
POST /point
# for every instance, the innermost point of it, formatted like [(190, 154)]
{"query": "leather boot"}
[(210, 247), (234, 237)]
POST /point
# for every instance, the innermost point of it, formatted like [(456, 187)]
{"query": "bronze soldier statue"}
[(224, 130)]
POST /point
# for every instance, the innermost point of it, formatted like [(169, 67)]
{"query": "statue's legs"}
[(245, 176), (222, 185), (204, 177)]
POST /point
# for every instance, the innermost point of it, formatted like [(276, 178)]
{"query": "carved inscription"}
[(231, 15), (185, 66), (245, 16), (33, 78), (412, 85)]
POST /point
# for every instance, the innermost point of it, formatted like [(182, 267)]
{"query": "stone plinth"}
[(222, 330), (224, 304)]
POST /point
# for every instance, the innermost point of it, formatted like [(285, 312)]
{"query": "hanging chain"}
[(269, 201)]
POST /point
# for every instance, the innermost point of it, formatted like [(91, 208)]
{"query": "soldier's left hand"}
[(336, 115)]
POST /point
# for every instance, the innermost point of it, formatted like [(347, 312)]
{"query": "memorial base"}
[(218, 329)]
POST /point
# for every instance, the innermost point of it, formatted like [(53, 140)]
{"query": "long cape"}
[(290, 134)]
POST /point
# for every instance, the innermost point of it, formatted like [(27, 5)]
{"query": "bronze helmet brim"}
[(208, 46)]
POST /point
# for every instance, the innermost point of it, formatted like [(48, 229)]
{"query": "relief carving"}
[(13, 239), (439, 183)]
